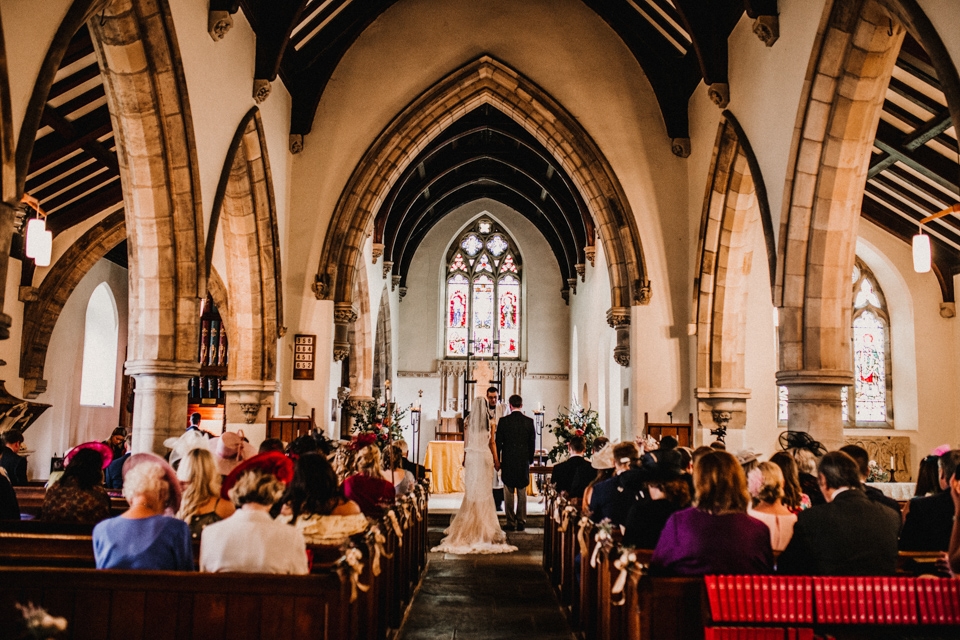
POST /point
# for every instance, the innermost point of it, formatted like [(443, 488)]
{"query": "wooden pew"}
[(30, 499), (186, 606)]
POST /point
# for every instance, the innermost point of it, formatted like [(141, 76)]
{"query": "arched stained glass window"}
[(871, 353), (483, 294)]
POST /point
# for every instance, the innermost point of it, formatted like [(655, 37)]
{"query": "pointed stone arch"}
[(484, 81), (9, 195), (735, 211), (245, 214), (853, 57), (43, 307), (383, 343)]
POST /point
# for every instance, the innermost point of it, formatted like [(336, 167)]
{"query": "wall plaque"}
[(304, 356)]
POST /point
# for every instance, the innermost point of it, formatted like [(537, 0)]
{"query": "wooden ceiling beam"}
[(709, 23), (275, 21), (85, 208), (912, 95), (948, 226), (53, 147), (925, 161), (52, 117), (73, 81), (68, 179), (83, 187)]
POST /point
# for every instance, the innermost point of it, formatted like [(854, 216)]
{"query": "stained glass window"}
[(870, 400), (483, 312)]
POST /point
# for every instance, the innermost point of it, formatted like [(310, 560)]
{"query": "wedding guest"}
[(807, 474), (143, 537), (113, 474), (314, 504), (202, 504), (765, 484), (603, 463), (748, 460), (610, 499), (849, 535), (716, 535), (928, 477), (9, 507), (250, 541), (862, 458), (669, 493), (793, 496), (367, 487), (271, 444), (418, 470), (394, 473), (929, 520), (115, 442), (229, 450), (78, 496), (11, 462), (573, 475)]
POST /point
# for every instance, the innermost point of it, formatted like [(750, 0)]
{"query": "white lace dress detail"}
[(475, 528)]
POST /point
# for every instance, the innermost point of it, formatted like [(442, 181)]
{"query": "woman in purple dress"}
[(716, 536)]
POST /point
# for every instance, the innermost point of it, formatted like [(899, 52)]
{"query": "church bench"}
[(162, 604), (30, 499)]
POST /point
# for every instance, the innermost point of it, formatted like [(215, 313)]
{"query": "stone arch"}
[(853, 58), (244, 210), (383, 343), (484, 81), (360, 341), (735, 210), (9, 195), (42, 309)]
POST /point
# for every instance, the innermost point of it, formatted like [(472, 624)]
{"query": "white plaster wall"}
[(544, 316), (66, 423)]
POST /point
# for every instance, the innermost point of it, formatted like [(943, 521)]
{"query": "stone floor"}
[(485, 598)]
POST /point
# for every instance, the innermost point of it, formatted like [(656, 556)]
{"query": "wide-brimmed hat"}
[(174, 492), (271, 462), (603, 459), (746, 456), (229, 450), (183, 444), (106, 453)]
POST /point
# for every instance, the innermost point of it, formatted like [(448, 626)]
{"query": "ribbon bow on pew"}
[(353, 558)]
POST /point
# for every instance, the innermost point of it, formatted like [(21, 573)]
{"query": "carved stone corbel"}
[(680, 147), (948, 309), (250, 411), (387, 268), (31, 294), (218, 24), (261, 89), (643, 293), (344, 313), (340, 351), (377, 251), (590, 253), (403, 291), (320, 288), (33, 387), (296, 143), (767, 28), (619, 319), (719, 93), (581, 271), (395, 281), (572, 283)]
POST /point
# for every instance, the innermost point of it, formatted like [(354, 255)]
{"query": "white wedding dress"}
[(475, 528)]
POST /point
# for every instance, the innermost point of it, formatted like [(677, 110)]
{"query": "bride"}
[(475, 528)]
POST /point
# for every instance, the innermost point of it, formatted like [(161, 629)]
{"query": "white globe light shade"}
[(35, 228), (921, 253)]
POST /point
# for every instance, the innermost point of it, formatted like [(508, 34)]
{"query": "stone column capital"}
[(815, 377), (344, 313)]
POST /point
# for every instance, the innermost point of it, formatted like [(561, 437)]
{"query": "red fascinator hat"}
[(271, 462)]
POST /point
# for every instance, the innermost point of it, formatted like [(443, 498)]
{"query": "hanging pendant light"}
[(921, 252), (38, 240)]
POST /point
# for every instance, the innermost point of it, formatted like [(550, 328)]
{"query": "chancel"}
[(326, 276)]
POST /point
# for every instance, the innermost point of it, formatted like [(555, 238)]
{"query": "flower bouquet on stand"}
[(372, 426), (575, 421)]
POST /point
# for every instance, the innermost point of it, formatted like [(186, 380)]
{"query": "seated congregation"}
[(227, 509), (638, 536)]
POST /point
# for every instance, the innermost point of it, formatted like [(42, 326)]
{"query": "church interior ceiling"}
[(74, 171)]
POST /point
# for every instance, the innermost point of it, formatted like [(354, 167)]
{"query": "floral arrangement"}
[(876, 472), (576, 421), (371, 426)]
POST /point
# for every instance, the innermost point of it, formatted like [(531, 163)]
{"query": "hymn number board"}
[(304, 356)]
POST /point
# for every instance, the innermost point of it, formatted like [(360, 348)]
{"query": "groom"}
[(516, 445)]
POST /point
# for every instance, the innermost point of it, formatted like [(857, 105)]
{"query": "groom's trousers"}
[(515, 505)]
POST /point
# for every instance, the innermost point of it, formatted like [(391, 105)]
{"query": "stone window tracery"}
[(483, 295)]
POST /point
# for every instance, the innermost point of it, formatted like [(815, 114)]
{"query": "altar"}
[(445, 461)]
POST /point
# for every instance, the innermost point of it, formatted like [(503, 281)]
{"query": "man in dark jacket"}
[(516, 445), (11, 461), (573, 475), (930, 519), (850, 535)]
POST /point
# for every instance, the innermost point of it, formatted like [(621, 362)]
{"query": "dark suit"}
[(851, 536), (880, 497), (567, 473), (14, 465), (113, 474), (929, 523), (516, 445)]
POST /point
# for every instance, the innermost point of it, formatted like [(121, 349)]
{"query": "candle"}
[(892, 466)]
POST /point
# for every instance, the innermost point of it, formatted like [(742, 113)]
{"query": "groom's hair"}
[(516, 401)]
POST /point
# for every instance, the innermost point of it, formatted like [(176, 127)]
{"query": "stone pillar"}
[(344, 314), (814, 406), (723, 407), (160, 401), (246, 407), (7, 217), (619, 319)]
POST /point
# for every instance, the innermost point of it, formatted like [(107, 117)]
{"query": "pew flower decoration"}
[(39, 624), (575, 421), (876, 473), (370, 419)]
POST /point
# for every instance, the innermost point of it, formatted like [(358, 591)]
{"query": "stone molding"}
[(261, 90), (162, 368), (344, 313), (680, 147), (723, 394)]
